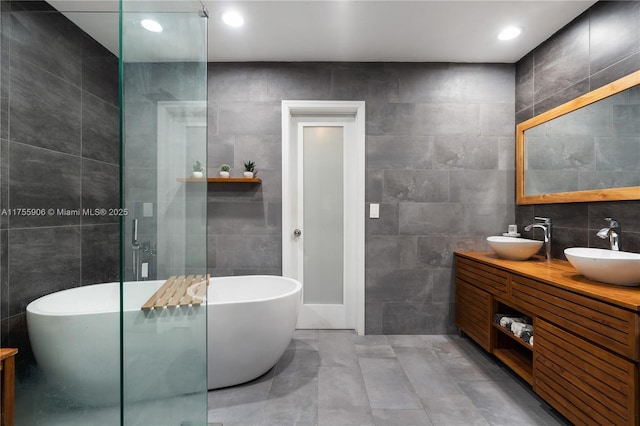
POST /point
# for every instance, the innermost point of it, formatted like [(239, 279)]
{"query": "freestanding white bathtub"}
[(75, 336)]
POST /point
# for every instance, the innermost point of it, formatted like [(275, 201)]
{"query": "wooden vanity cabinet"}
[(585, 357)]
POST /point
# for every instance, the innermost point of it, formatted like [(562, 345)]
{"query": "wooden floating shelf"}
[(222, 180)]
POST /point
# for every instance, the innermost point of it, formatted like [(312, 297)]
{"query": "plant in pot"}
[(249, 169), (224, 170), (198, 170)]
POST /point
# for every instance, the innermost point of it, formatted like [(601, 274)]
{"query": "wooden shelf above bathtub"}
[(222, 180)]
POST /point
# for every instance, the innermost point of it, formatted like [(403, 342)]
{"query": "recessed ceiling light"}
[(509, 33), (233, 19), (151, 25)]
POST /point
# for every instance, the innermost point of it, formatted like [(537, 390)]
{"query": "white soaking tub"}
[(75, 336)]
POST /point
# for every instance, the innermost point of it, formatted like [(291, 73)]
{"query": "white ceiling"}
[(325, 30)]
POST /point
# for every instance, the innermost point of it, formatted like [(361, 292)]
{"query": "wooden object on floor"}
[(179, 291), (7, 369)]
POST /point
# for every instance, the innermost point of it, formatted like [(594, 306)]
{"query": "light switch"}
[(374, 211), (147, 209)]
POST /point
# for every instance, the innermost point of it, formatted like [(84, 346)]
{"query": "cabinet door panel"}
[(473, 313), (585, 383)]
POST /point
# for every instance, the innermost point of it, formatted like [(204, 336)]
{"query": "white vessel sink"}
[(608, 266), (514, 248)]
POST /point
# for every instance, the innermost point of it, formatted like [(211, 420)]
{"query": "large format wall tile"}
[(249, 118), (49, 41), (4, 182), (32, 186), (409, 285), (280, 81), (99, 71), (465, 152), (391, 252), (100, 253), (45, 110), (244, 218), (365, 83), (4, 278), (613, 33), (524, 83), (100, 191), (447, 119), (248, 251), (563, 60), (415, 318), (390, 118), (399, 152), (416, 185), (100, 130), (42, 261)]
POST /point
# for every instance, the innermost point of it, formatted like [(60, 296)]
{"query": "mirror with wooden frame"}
[(587, 149)]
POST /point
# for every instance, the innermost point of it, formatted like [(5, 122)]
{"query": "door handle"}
[(297, 232)]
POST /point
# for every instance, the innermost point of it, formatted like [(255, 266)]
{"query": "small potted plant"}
[(224, 170), (249, 169), (198, 170)]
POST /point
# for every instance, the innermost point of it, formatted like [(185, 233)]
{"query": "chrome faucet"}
[(612, 232), (135, 247), (138, 249), (545, 225)]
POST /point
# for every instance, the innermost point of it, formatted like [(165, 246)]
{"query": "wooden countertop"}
[(7, 353), (561, 274)]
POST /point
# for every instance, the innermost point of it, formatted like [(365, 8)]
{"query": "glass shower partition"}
[(163, 77)]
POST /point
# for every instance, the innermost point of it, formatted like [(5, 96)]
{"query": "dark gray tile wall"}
[(58, 149), (439, 160), (598, 47)]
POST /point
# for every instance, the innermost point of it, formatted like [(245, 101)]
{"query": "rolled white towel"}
[(518, 328), (507, 321)]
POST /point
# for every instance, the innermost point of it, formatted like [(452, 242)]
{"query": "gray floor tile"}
[(304, 363), (247, 413), (345, 416), (241, 394), (373, 340), (401, 417), (428, 377), (453, 410), (336, 349), (292, 401), (387, 384), (341, 387), (410, 341), (303, 344), (306, 334), (499, 405), (375, 351)]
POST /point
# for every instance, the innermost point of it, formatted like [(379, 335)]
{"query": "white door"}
[(323, 216)]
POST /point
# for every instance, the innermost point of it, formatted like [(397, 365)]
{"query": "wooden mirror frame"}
[(607, 194)]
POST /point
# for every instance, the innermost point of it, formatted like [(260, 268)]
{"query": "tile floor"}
[(339, 378)]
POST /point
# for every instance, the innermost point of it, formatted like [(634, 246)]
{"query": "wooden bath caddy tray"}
[(179, 291)]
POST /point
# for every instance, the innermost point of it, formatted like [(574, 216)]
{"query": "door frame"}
[(354, 171)]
